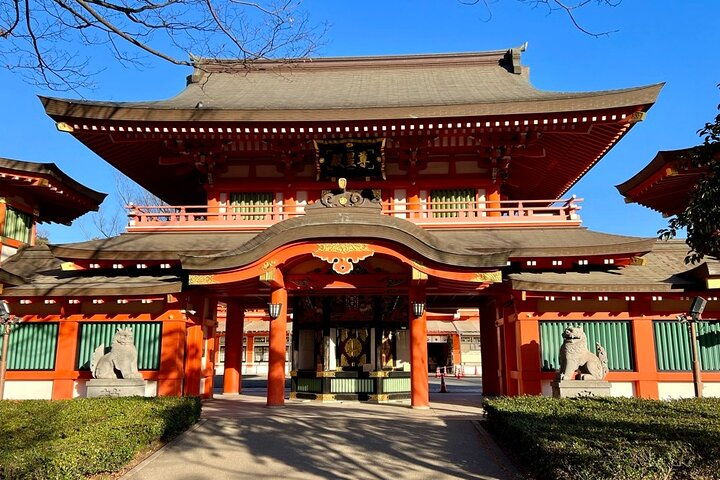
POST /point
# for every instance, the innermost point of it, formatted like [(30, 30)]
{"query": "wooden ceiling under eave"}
[(568, 145)]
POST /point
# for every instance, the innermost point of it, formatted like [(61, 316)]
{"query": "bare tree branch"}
[(111, 219), (50, 42), (568, 8)]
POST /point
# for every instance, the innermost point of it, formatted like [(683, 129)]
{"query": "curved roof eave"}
[(345, 226), (599, 287), (162, 111), (52, 170), (662, 158)]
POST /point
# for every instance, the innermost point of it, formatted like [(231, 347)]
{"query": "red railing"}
[(428, 214)]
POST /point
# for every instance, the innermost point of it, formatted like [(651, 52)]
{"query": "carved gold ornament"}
[(342, 256), (201, 280), (269, 264), (488, 277)]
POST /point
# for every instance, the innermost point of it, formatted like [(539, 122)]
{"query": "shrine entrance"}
[(351, 347)]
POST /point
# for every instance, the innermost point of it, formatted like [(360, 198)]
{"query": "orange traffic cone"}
[(443, 389)]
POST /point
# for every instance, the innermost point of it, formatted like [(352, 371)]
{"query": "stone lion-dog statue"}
[(575, 357), (121, 361)]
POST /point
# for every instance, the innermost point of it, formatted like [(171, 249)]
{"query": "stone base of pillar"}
[(115, 387), (580, 388)]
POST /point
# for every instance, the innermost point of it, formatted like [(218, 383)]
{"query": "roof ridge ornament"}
[(513, 57)]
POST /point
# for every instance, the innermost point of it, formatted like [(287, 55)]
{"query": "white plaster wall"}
[(711, 389), (671, 390), (151, 388), (622, 389), (28, 389), (202, 386), (80, 389)]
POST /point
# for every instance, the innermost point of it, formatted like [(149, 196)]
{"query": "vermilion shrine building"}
[(364, 197)]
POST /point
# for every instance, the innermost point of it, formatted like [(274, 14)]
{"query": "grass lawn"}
[(77, 438), (610, 438)]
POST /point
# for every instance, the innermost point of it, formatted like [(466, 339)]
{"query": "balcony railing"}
[(428, 214)]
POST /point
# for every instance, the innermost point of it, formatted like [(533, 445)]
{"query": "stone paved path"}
[(239, 438)]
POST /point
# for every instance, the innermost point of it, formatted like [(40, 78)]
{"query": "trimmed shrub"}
[(85, 436), (610, 438)]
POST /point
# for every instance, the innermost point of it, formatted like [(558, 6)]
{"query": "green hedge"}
[(81, 437), (610, 438)]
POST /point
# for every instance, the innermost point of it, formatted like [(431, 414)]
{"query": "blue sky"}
[(654, 41)]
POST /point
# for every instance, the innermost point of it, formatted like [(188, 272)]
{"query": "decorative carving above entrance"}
[(488, 277), (342, 256), (201, 279), (343, 198)]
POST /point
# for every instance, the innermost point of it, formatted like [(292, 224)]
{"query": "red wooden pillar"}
[(172, 350), (420, 392), (193, 359), (527, 338), (234, 326), (278, 341), (493, 203), (65, 360), (645, 358)]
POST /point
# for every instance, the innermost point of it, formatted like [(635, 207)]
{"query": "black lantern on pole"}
[(274, 310)]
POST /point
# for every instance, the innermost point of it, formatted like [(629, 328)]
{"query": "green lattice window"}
[(147, 341), (32, 346), (252, 203), (452, 203), (672, 345), (18, 225), (615, 336)]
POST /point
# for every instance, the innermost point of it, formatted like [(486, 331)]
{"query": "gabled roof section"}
[(663, 185), (58, 197), (356, 88)]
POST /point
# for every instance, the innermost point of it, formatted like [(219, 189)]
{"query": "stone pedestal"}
[(580, 388), (115, 387)]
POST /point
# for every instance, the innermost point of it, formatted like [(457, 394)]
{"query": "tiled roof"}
[(516, 242), (664, 270), (34, 271), (361, 88)]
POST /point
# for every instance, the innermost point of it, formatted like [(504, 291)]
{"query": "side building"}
[(31, 194), (364, 199)]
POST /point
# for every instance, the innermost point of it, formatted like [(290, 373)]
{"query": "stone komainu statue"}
[(575, 356), (120, 362)]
